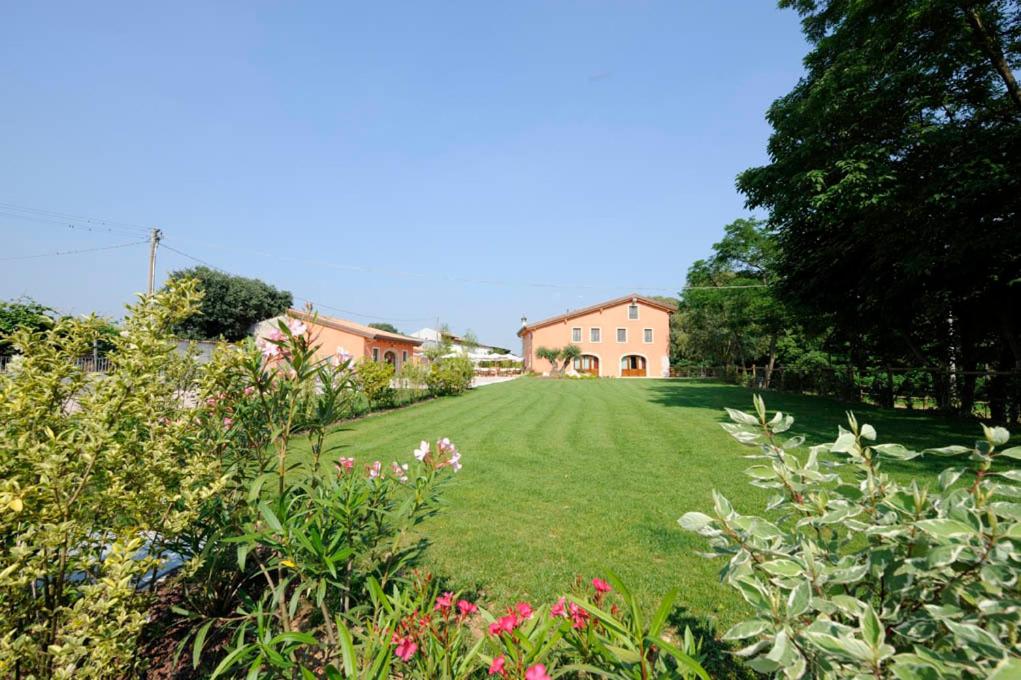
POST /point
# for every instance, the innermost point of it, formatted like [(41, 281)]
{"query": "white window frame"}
[(598, 338), (375, 354), (634, 306), (576, 331), (619, 341), (650, 334)]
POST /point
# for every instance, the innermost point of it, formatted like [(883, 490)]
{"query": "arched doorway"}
[(587, 363), (390, 357), (632, 366)]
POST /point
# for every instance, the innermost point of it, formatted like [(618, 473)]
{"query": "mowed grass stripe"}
[(567, 478)]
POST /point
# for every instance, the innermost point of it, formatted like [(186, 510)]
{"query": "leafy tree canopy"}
[(23, 313), (383, 326), (231, 304)]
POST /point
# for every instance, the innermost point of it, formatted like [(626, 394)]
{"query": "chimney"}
[(524, 320)]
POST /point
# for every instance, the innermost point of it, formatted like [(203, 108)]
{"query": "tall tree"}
[(231, 304), (22, 313), (383, 326), (894, 180)]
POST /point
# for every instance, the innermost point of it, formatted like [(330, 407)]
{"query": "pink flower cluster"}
[(412, 628), (516, 615), (272, 344), (446, 455), (535, 672)]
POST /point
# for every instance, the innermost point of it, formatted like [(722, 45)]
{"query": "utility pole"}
[(154, 240)]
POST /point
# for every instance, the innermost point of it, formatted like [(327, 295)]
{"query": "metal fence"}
[(982, 393), (91, 364)]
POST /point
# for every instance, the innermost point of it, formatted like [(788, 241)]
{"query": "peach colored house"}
[(340, 335), (625, 337)]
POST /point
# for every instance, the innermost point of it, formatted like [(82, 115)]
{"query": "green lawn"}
[(574, 477)]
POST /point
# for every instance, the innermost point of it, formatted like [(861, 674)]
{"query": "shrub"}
[(98, 473), (450, 375), (374, 380), (857, 574)]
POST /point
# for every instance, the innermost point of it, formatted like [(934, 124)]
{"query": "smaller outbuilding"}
[(340, 336)]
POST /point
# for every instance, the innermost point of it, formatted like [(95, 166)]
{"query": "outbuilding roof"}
[(353, 327), (634, 297)]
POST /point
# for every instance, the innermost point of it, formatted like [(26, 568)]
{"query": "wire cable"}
[(72, 252), (163, 244), (93, 221)]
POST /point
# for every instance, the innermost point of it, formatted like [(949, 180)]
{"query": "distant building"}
[(625, 337), (335, 336)]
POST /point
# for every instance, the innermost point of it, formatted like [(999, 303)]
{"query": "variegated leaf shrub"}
[(852, 573), (98, 472)]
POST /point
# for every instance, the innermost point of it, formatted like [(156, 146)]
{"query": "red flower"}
[(600, 585), (558, 609), (578, 615), (537, 672), (466, 608), (505, 624), (523, 610), (496, 668), (406, 649), (444, 601)]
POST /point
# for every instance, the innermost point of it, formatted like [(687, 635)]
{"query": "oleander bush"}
[(851, 573)]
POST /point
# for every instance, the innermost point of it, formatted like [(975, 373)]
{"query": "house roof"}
[(595, 308), (353, 327)]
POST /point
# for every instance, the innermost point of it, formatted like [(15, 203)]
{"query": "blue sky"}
[(407, 161)]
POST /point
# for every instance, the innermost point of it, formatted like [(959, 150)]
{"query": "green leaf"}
[(949, 450), (200, 641), (270, 517), (1013, 452), (662, 612), (1008, 669), (782, 568), (799, 599), (694, 521), (945, 528), (746, 629), (871, 628), (979, 639)]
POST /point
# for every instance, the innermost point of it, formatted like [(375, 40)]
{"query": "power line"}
[(163, 244), (72, 252), (92, 222)]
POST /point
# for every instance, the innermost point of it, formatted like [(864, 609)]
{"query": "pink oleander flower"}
[(466, 608), (578, 615), (406, 648), (211, 402), (497, 667), (445, 445), (504, 624), (375, 470), (296, 327), (341, 356), (523, 610), (345, 464), (537, 672), (400, 471), (600, 585), (558, 609), (455, 461), (422, 451), (227, 422), (249, 391), (444, 601)]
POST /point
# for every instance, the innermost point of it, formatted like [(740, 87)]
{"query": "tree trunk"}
[(771, 363), (991, 46)]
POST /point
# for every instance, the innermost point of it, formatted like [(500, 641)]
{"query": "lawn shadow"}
[(817, 419), (717, 656)]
